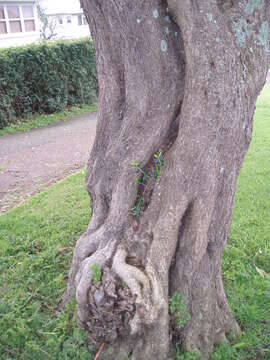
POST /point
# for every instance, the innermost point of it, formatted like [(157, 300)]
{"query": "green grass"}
[(37, 240), (249, 245), (36, 243), (38, 121)]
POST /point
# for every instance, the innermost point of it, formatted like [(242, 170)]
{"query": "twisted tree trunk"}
[(179, 78)]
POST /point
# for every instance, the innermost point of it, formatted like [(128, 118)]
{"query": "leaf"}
[(241, 345), (261, 272)]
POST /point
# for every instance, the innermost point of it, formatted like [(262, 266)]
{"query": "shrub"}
[(46, 78)]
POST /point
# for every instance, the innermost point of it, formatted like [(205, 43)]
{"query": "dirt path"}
[(31, 161)]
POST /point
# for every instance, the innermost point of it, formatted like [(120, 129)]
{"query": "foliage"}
[(37, 240), (138, 208), (38, 121), (180, 355), (96, 274), (46, 78), (142, 176), (178, 308), (159, 163), (142, 180)]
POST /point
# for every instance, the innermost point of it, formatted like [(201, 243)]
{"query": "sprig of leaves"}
[(159, 163)]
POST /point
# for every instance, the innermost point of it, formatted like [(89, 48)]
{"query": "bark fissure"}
[(172, 78)]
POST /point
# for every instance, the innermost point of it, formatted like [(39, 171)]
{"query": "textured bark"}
[(181, 77)]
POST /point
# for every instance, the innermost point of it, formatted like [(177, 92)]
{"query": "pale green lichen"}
[(167, 30), (163, 45), (167, 19), (209, 17), (155, 14), (263, 36), (244, 71), (252, 5), (241, 31)]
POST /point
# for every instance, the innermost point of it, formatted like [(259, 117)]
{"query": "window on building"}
[(13, 19), (82, 20), (28, 16), (69, 19), (60, 20), (3, 25), (16, 19)]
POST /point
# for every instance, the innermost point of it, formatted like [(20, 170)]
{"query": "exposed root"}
[(84, 276), (136, 280), (151, 317), (85, 246), (111, 307)]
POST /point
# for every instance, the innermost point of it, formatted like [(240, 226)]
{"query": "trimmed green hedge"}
[(46, 78)]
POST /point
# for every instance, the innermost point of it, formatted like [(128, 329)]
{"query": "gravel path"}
[(31, 161)]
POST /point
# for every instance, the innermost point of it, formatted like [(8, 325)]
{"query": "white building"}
[(67, 15), (20, 23)]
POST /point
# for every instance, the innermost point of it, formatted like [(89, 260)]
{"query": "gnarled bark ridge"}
[(181, 78)]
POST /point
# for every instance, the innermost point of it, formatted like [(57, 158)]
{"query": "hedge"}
[(46, 78)]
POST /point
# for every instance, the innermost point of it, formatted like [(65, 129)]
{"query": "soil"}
[(31, 161)]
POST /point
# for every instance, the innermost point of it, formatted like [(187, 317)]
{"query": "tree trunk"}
[(178, 82)]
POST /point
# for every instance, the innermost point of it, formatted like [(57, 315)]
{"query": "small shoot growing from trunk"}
[(137, 210), (142, 176), (96, 274), (159, 163), (142, 179)]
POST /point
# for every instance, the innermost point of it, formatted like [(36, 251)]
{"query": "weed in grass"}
[(182, 355)]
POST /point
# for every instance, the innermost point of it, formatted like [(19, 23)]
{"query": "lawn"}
[(40, 120), (36, 245)]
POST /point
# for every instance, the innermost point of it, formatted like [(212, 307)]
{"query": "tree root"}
[(84, 276)]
